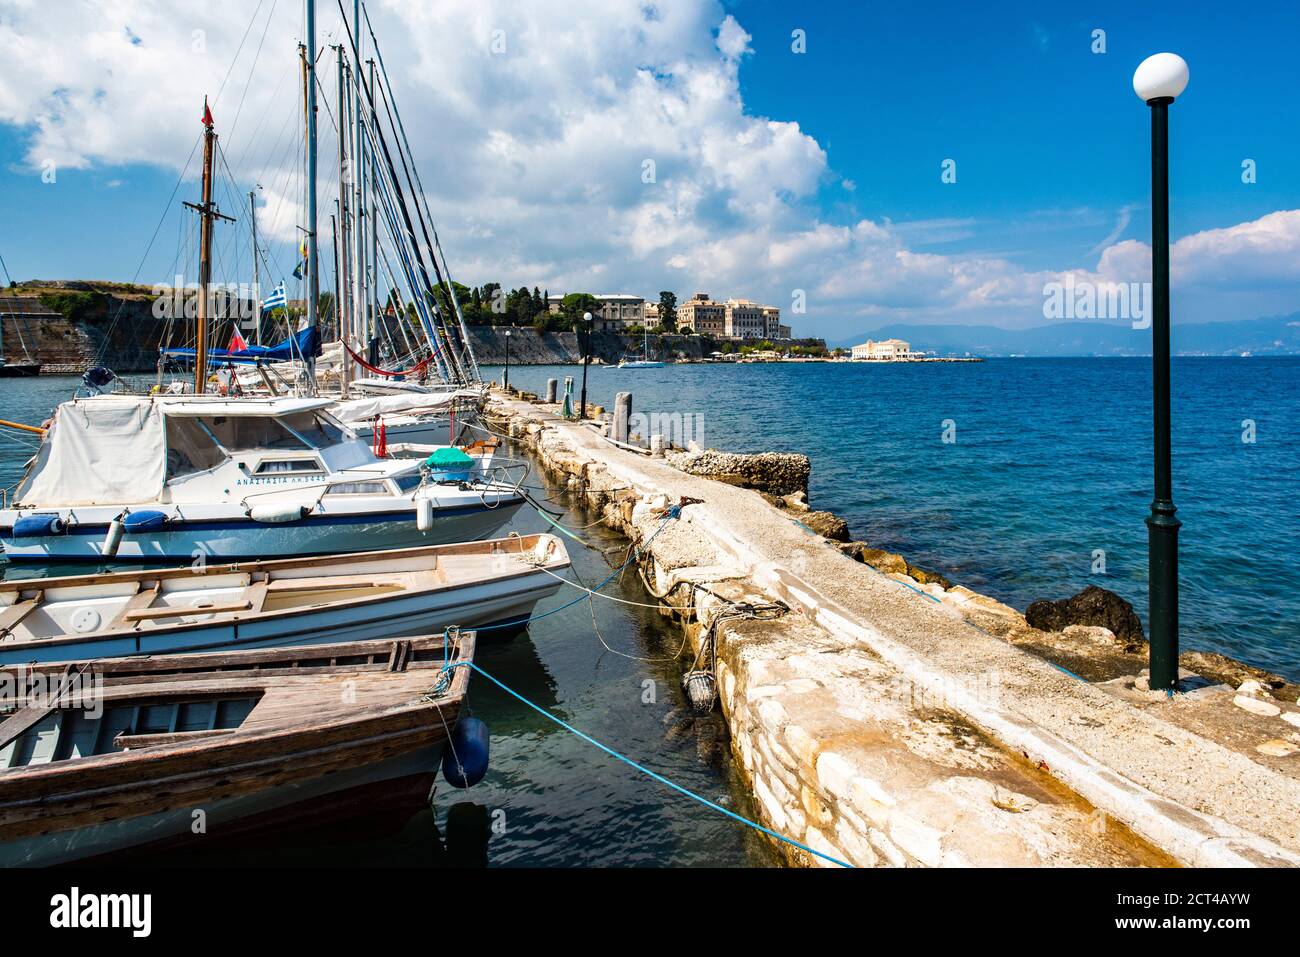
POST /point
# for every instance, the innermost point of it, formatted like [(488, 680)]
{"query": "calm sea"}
[(1049, 473)]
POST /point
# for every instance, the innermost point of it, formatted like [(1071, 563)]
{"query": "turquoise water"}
[(549, 799), (1052, 461)]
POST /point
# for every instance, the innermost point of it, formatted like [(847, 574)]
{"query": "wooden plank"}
[(178, 612), (141, 600), (125, 741), (13, 615)]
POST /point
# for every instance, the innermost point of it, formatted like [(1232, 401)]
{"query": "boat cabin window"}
[(288, 467), (360, 488), (316, 429), (241, 433), (190, 448)]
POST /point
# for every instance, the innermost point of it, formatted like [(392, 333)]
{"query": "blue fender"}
[(465, 758), (39, 526), (144, 521)]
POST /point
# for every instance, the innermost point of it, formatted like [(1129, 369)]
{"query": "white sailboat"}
[(645, 362), (173, 477)]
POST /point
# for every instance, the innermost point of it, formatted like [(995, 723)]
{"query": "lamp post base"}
[(1162, 593)]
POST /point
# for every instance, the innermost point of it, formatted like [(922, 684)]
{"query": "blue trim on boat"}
[(177, 524)]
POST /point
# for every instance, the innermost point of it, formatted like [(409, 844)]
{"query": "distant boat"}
[(117, 754), (287, 602), (643, 363), (12, 370)]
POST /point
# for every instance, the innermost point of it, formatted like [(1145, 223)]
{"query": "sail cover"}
[(100, 451), (303, 344)]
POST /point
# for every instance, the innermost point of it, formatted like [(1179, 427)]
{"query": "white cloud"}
[(534, 157)]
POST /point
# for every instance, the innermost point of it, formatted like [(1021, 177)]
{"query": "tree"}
[(685, 331), (668, 309), (574, 305)]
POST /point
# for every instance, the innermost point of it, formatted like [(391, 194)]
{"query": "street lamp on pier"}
[(506, 383), (1158, 80), (586, 360)]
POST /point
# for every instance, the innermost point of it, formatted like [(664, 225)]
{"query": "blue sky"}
[(778, 171)]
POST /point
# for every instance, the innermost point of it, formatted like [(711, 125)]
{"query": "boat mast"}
[(257, 281), (357, 204), (343, 308), (207, 211), (313, 260)]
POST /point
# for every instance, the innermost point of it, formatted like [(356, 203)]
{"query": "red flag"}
[(381, 438), (207, 114), (237, 343)]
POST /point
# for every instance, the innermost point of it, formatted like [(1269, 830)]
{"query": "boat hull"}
[(490, 606), (175, 827), (246, 539)]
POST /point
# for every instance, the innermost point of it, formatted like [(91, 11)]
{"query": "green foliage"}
[(668, 309), (76, 306)]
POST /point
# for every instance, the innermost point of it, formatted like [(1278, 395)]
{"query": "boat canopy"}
[(405, 403), (301, 345), (100, 451), (193, 406)]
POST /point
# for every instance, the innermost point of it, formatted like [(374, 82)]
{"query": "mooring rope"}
[(646, 771)]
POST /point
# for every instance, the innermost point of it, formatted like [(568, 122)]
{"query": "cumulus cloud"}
[(572, 145)]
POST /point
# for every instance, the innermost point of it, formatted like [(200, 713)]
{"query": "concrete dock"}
[(889, 721)]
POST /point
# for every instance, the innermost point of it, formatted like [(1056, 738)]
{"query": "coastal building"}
[(652, 315), (702, 315), (885, 350), (617, 311), (744, 319)]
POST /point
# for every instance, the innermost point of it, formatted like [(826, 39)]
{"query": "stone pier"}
[(890, 719)]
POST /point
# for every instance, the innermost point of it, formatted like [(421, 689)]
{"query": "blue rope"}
[(646, 771), (672, 513)]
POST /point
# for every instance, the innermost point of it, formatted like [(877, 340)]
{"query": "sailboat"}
[(645, 362), (27, 366)]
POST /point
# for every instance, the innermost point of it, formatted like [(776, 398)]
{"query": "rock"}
[(828, 525), (1292, 717), (1255, 706), (877, 558), (1277, 748), (1253, 689), (1093, 633), (1218, 667), (780, 473), (795, 502), (927, 578), (1092, 606)]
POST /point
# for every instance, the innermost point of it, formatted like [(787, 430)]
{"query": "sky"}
[(792, 153)]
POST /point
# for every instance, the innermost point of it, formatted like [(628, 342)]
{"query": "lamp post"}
[(586, 360), (1158, 80), (506, 383)]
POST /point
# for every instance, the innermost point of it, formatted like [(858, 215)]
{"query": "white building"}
[(886, 350)]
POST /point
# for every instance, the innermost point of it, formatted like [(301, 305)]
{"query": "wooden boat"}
[(290, 601), (128, 752)]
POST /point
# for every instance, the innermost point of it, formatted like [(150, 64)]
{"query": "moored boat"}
[(284, 602), (170, 477), (121, 753)]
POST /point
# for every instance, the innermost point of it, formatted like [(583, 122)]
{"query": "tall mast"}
[(313, 260), (343, 308), (357, 204), (372, 225), (257, 280), (207, 211)]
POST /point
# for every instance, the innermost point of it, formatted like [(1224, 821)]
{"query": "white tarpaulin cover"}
[(362, 411), (100, 451)]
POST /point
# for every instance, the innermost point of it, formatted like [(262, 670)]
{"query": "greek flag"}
[(277, 298)]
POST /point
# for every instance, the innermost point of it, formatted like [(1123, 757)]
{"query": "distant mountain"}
[(1276, 335)]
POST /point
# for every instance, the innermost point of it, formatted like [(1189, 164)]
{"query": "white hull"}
[(492, 602), (222, 541)]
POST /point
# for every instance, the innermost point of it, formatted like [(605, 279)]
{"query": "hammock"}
[(418, 367)]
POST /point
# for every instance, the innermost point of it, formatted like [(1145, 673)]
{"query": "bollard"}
[(551, 386), (657, 445), (622, 415)]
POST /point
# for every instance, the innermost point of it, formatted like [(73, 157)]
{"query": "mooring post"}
[(551, 386), (622, 415)]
